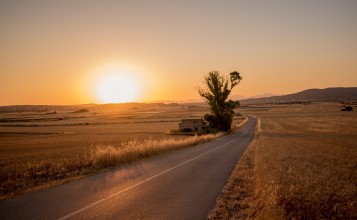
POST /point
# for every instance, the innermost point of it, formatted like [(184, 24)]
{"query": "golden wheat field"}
[(40, 149), (301, 165)]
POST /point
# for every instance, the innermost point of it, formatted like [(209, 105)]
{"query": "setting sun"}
[(117, 88)]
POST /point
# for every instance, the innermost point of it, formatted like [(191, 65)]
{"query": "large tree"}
[(216, 92)]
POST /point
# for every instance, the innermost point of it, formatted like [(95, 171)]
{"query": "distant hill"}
[(119, 107), (111, 107), (311, 95), (43, 108), (239, 97)]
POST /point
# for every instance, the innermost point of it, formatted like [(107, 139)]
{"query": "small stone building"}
[(192, 124)]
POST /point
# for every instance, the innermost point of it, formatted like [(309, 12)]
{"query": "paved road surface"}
[(180, 185)]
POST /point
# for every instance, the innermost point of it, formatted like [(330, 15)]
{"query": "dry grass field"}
[(42, 149), (301, 165)]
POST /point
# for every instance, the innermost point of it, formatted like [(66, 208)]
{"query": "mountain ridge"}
[(332, 94)]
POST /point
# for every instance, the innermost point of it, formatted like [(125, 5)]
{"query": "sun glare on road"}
[(117, 88)]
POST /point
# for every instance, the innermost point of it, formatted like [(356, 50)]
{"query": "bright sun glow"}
[(117, 88)]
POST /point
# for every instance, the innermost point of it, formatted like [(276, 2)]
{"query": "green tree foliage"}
[(218, 88)]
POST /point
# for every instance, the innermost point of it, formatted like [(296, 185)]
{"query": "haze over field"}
[(73, 52)]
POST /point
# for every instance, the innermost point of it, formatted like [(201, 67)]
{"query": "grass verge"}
[(23, 178)]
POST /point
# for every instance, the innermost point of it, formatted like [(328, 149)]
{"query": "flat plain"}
[(301, 165), (28, 136), (39, 149)]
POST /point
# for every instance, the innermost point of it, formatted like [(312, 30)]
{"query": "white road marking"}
[(140, 183)]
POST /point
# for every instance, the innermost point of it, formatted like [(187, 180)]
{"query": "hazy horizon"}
[(95, 52), (183, 101)]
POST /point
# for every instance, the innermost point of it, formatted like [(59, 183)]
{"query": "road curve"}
[(179, 185)]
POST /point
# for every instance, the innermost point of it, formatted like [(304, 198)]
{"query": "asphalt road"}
[(179, 185)]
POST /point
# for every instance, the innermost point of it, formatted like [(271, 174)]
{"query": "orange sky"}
[(54, 52)]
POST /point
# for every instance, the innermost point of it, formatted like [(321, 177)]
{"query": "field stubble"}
[(302, 165)]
